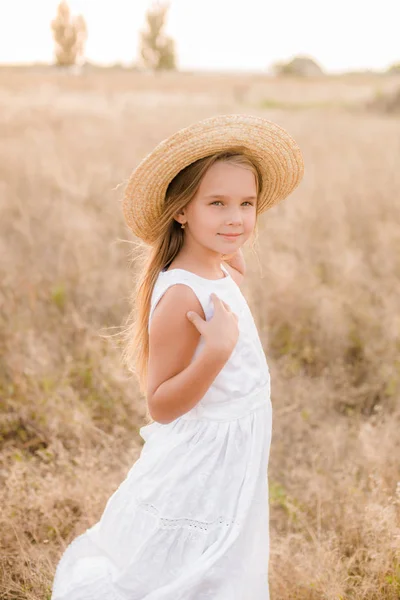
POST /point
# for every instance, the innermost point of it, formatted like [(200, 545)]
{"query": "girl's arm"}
[(183, 391), (175, 384)]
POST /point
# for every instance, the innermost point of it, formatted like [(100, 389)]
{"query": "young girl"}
[(191, 519)]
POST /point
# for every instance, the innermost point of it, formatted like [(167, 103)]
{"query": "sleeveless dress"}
[(191, 519)]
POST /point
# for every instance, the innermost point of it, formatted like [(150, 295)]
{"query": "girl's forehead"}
[(227, 179)]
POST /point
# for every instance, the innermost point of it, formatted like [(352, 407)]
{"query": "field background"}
[(323, 285)]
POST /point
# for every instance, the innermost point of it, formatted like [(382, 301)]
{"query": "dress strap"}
[(225, 270)]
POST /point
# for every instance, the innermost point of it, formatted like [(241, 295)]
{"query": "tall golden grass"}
[(324, 287)]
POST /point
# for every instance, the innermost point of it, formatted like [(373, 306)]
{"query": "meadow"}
[(323, 284)]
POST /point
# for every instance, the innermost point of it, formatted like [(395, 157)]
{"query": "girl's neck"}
[(209, 271)]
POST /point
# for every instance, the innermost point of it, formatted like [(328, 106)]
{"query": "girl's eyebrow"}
[(224, 196)]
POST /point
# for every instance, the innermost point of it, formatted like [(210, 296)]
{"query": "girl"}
[(191, 519)]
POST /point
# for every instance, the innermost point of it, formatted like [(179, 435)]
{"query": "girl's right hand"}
[(221, 332)]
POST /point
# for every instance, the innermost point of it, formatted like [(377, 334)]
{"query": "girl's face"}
[(225, 203)]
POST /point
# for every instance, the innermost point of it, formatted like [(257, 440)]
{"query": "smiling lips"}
[(230, 234)]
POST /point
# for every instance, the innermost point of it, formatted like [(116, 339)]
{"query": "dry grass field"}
[(323, 284)]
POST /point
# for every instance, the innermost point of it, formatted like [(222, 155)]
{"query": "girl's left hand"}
[(236, 261)]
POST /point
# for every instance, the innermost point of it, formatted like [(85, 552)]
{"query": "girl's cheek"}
[(251, 222)]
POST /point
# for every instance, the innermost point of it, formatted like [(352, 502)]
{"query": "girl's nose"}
[(234, 220)]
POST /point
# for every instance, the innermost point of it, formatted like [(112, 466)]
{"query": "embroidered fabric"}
[(191, 519), (166, 523)]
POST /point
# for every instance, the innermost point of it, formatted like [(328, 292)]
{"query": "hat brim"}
[(277, 155)]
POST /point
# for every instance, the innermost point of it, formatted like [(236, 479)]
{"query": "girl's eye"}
[(246, 202)]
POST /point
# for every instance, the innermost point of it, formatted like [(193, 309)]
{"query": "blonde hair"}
[(153, 259)]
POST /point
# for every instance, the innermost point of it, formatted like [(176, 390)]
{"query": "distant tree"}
[(70, 34), (157, 49), (299, 65)]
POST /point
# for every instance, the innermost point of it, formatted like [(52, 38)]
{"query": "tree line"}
[(157, 50)]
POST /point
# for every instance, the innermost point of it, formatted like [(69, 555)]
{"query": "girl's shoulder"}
[(226, 288), (179, 298)]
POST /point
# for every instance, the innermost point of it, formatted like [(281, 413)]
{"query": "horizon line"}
[(134, 66)]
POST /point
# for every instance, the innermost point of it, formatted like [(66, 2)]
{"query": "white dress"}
[(191, 519)]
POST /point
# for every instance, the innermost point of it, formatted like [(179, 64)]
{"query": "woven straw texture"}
[(278, 157)]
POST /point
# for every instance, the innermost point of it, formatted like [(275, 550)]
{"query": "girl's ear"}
[(180, 217)]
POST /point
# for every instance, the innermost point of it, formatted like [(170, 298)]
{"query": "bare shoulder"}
[(237, 277), (172, 337), (173, 305)]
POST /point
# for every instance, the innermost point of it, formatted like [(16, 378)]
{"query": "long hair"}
[(170, 238)]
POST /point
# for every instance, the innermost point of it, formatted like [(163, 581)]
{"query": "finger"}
[(196, 319), (218, 301), (228, 308)]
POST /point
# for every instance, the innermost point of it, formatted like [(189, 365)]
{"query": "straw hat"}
[(271, 147)]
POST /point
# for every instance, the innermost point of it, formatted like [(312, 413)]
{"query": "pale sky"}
[(217, 34)]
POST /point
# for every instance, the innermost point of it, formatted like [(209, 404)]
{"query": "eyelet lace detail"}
[(183, 522)]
